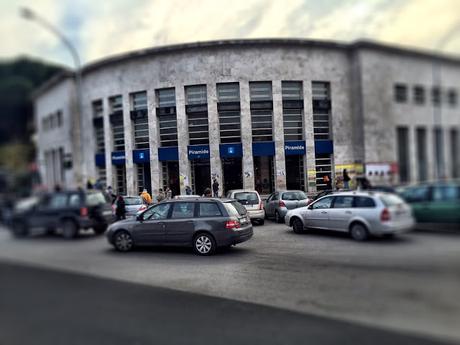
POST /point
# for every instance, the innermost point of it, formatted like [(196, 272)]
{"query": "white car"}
[(252, 201), (361, 214)]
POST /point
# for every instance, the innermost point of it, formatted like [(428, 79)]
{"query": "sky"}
[(102, 28)]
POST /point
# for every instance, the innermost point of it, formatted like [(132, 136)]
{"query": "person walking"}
[(120, 210), (207, 193), (215, 188), (161, 195), (188, 190), (146, 198), (346, 180), (327, 182), (168, 193)]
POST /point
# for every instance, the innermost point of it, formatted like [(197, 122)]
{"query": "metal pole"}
[(78, 165)]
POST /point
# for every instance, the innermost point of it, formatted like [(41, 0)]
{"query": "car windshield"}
[(234, 208), (94, 199), (26, 204), (133, 200), (391, 200), (294, 196), (247, 198)]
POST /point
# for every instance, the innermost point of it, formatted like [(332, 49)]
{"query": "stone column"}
[(214, 137), (309, 163), (182, 138), (108, 143), (154, 142), (278, 137), (447, 149), (430, 153), (412, 140), (129, 146), (246, 137)]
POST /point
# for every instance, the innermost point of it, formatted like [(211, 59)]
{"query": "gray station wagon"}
[(202, 223)]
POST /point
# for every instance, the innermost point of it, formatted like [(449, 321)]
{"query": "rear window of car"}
[(209, 209), (391, 200), (235, 209), (133, 200), (94, 199), (293, 196), (247, 198), (183, 210), (364, 202)]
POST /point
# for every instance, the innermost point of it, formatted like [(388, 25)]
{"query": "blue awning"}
[(231, 150), (295, 147), (168, 154), (198, 152), (263, 149), (141, 156), (324, 147), (99, 158), (118, 158)]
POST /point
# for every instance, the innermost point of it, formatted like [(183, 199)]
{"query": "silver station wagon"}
[(361, 214), (201, 223)]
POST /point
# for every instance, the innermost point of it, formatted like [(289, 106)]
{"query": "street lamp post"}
[(78, 165)]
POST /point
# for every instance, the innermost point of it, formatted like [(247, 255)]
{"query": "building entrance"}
[(232, 174), (144, 178), (263, 174), (170, 176), (201, 175), (295, 175)]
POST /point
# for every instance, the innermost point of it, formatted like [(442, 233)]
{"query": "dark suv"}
[(67, 211), (202, 223)]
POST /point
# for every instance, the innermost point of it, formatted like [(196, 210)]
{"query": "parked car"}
[(204, 224), (359, 213), (252, 201), (278, 203), (434, 202), (133, 205), (190, 196), (67, 212)]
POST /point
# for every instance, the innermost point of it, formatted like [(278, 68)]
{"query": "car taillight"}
[(261, 206), (142, 208), (282, 204), (83, 212), (232, 224), (385, 216)]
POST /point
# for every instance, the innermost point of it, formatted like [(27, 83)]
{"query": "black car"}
[(201, 223), (67, 212)]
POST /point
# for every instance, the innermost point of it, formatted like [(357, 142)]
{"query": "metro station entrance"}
[(201, 175), (170, 176), (295, 173), (144, 178), (232, 169), (263, 174)]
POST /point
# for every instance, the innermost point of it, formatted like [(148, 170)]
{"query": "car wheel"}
[(69, 229), (204, 244), (100, 229), (278, 218), (123, 241), (359, 232), (297, 226), (20, 229)]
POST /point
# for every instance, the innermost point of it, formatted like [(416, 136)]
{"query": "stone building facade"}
[(256, 114)]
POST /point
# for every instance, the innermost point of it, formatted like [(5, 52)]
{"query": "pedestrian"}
[(120, 210), (161, 195), (146, 198), (168, 193), (207, 193), (188, 190), (327, 182), (346, 180), (215, 188), (111, 195)]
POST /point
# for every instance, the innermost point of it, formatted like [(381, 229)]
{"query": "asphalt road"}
[(407, 285), (42, 306)]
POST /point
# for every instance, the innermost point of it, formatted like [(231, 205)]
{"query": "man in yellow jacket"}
[(146, 197)]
